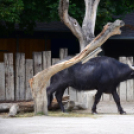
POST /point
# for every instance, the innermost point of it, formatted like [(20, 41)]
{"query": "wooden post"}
[(37, 62), (55, 60), (123, 85), (106, 97), (2, 82), (63, 54), (130, 90), (72, 94), (79, 96), (29, 75), (118, 91), (20, 76), (46, 59), (9, 73)]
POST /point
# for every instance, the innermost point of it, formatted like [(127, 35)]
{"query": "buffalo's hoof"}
[(65, 112), (94, 112), (123, 113)]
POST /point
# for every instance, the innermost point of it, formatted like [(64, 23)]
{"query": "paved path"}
[(103, 124)]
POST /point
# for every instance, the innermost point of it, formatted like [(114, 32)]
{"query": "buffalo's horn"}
[(130, 65)]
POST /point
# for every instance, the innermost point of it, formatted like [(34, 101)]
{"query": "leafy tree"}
[(27, 12), (10, 10)]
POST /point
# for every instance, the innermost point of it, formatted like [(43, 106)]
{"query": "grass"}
[(71, 114), (53, 114)]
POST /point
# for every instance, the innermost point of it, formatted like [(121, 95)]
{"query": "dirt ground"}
[(108, 121), (91, 124)]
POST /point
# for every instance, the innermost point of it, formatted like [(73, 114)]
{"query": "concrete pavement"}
[(103, 124)]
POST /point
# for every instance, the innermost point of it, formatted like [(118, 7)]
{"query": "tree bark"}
[(69, 21), (84, 34), (40, 81), (88, 25)]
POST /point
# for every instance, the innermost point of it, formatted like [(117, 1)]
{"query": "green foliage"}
[(27, 12), (10, 10)]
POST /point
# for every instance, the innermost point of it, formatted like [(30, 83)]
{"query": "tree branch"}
[(88, 25), (92, 55), (69, 21)]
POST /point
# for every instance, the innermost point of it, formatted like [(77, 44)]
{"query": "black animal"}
[(101, 73)]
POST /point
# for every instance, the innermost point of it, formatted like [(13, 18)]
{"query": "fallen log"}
[(16, 107), (23, 106)]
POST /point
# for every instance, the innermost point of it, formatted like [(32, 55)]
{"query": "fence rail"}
[(14, 79)]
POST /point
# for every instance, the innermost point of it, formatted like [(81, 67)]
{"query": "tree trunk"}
[(84, 34), (40, 81)]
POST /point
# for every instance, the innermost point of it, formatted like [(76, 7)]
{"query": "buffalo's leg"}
[(96, 101), (55, 88), (50, 91), (59, 95), (117, 100), (50, 101)]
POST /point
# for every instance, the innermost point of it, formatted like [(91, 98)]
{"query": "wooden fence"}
[(14, 79)]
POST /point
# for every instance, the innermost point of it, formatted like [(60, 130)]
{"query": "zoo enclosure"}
[(14, 78)]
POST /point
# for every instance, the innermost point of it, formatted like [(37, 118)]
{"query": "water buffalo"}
[(101, 73)]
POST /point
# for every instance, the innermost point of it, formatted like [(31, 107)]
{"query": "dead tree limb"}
[(39, 82)]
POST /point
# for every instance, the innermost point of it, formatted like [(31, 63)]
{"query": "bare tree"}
[(87, 41), (84, 34)]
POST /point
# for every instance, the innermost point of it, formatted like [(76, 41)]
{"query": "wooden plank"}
[(20, 76), (2, 82), (106, 97), (46, 59), (37, 62), (86, 100), (29, 75), (79, 95), (63, 54), (111, 96), (123, 85), (130, 90), (55, 60), (9, 73), (28, 46), (73, 94)]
